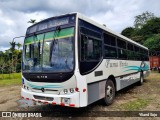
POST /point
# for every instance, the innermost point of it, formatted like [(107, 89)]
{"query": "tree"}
[(153, 43), (128, 32), (152, 26), (145, 26), (13, 45), (19, 45), (2, 65), (140, 20), (17, 58)]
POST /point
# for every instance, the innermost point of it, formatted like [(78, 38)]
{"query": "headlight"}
[(65, 91), (71, 90), (24, 86)]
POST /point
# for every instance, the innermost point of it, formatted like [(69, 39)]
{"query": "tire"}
[(141, 79), (109, 92)]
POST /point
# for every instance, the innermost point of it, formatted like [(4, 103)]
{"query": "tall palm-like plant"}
[(13, 45), (19, 45), (32, 21)]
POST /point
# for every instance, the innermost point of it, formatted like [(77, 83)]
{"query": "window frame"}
[(93, 38)]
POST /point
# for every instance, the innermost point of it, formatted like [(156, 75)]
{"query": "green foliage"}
[(151, 27), (10, 76), (146, 26), (153, 42), (128, 32), (136, 104), (10, 60), (140, 20), (13, 45), (10, 79)]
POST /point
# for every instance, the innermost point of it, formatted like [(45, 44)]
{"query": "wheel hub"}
[(109, 92)]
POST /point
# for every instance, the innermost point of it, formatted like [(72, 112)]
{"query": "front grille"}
[(43, 98), (47, 91)]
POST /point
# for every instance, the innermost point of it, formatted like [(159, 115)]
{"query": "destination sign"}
[(52, 22)]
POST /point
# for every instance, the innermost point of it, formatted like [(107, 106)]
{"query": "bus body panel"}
[(117, 68), (124, 76), (57, 99), (51, 88), (54, 90), (81, 80)]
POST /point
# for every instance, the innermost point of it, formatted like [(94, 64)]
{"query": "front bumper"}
[(57, 99)]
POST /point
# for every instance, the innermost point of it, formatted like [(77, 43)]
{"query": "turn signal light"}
[(76, 89)]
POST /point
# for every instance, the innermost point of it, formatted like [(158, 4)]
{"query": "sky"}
[(115, 14)]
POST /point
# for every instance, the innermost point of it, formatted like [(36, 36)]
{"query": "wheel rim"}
[(109, 92), (141, 79)]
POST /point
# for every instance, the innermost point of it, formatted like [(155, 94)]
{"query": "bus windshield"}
[(49, 52)]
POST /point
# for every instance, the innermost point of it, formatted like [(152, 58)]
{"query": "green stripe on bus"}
[(68, 32), (135, 68), (59, 37), (33, 39)]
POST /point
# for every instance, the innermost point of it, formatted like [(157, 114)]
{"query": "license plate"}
[(66, 100)]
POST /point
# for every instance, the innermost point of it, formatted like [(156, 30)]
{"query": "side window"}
[(121, 44), (122, 52), (91, 48), (83, 47), (146, 55), (109, 40), (136, 48), (97, 51), (130, 55), (130, 47), (137, 55), (110, 52), (130, 51)]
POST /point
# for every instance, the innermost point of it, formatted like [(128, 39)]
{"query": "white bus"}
[(70, 60)]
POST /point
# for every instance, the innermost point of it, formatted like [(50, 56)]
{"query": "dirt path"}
[(133, 98), (8, 97)]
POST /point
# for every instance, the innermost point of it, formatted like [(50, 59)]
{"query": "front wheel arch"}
[(111, 77)]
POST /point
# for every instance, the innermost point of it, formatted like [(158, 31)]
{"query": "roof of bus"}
[(107, 29), (83, 17)]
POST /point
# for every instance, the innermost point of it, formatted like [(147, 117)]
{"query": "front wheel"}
[(109, 92)]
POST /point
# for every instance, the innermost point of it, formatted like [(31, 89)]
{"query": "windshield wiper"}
[(58, 29)]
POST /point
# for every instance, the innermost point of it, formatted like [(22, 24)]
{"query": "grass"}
[(135, 105), (145, 97), (154, 76), (12, 79)]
